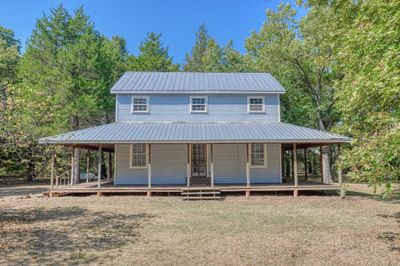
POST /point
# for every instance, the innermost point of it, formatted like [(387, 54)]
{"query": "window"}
[(198, 104), (255, 104), (140, 104), (258, 155), (138, 156)]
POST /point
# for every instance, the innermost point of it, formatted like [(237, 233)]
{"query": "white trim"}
[(263, 104), (130, 157), (280, 160), (116, 108), (198, 112), (194, 92), (140, 97), (265, 157), (279, 108), (115, 163)]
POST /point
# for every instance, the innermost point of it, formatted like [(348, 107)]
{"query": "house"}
[(180, 129)]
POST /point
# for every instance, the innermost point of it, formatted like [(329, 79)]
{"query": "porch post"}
[(149, 169), (55, 158), (99, 168), (52, 170), (87, 165), (72, 165), (305, 165), (110, 167), (296, 177), (247, 169), (321, 164), (292, 165), (188, 170), (212, 164), (342, 192)]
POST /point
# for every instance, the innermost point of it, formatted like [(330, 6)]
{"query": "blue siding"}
[(227, 108), (168, 162)]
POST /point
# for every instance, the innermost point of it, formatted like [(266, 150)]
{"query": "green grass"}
[(132, 230)]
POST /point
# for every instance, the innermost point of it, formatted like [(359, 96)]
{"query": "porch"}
[(107, 187)]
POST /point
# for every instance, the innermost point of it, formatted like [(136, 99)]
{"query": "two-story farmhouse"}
[(190, 129)]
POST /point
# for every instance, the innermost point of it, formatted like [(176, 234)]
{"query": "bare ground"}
[(135, 230)]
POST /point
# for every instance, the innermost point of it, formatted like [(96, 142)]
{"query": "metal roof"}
[(195, 132), (194, 82)]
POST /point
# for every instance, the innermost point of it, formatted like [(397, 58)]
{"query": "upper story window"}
[(258, 156), (198, 104), (140, 104), (138, 158), (256, 104)]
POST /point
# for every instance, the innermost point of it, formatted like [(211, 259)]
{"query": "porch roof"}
[(195, 132)]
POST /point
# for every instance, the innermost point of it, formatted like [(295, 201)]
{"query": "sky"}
[(177, 20)]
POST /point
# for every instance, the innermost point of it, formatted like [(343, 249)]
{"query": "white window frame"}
[(131, 159), (256, 97), (205, 105), (265, 156), (147, 105)]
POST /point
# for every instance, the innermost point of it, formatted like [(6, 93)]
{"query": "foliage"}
[(153, 56), (208, 56), (365, 37)]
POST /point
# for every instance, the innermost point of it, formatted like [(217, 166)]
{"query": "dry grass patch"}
[(163, 231)]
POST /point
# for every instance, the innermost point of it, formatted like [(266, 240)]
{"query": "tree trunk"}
[(103, 166), (326, 170), (76, 166), (287, 165), (31, 171)]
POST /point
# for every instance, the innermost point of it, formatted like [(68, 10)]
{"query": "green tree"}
[(297, 55), (365, 37), (65, 73), (153, 56), (208, 56), (194, 61), (9, 56)]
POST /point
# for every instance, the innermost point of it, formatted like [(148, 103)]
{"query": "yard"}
[(271, 229)]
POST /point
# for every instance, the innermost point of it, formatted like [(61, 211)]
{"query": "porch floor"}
[(109, 187)]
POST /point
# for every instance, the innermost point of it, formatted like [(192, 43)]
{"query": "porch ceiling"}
[(195, 132)]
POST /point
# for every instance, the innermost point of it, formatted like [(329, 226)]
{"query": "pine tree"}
[(153, 56)]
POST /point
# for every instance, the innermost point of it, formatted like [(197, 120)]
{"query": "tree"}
[(365, 38), (194, 61), (297, 55), (208, 56), (9, 55), (153, 56), (65, 73)]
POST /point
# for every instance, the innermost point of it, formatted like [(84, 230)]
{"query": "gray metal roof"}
[(190, 132), (190, 82)]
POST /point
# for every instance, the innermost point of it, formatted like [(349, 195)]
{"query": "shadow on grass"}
[(392, 238), (393, 197), (70, 235)]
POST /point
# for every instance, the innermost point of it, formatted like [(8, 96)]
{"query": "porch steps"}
[(201, 194)]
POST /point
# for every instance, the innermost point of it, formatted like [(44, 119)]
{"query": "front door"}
[(199, 160)]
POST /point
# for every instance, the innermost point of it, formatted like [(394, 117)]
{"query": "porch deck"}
[(107, 187)]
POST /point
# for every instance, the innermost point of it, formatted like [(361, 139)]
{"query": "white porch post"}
[(248, 169), (87, 165), (212, 165), (55, 158), (342, 192), (296, 176), (188, 170), (99, 168), (72, 165), (52, 170), (149, 169)]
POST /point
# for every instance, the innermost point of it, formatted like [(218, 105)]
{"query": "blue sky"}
[(177, 20)]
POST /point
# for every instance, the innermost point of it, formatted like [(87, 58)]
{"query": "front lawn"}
[(136, 230)]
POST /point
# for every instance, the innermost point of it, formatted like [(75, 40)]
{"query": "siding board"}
[(164, 107)]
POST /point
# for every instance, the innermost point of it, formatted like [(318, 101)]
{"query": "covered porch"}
[(201, 158)]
